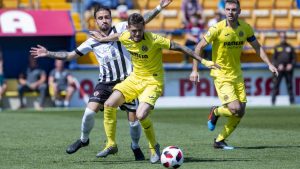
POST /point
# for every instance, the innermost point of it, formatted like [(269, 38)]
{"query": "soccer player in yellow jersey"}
[(145, 82), (228, 37)]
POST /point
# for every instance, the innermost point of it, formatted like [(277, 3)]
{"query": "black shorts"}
[(103, 91)]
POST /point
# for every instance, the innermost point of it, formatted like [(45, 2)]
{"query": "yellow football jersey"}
[(146, 55), (227, 46)]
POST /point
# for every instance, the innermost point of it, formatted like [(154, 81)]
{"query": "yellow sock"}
[(110, 123), (222, 111), (149, 132), (229, 127)]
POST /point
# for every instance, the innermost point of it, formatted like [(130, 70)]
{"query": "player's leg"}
[(96, 101), (226, 94), (134, 128), (147, 101), (233, 97), (110, 121), (143, 112), (87, 124), (135, 134)]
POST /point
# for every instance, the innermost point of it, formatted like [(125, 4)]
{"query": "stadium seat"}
[(176, 4), (10, 4), (262, 19), (265, 4), (295, 19), (293, 38), (270, 39), (155, 23), (284, 4), (172, 22), (210, 4), (180, 39), (90, 59), (12, 89), (80, 37), (246, 15), (140, 4), (76, 21), (248, 4), (208, 14), (282, 19)]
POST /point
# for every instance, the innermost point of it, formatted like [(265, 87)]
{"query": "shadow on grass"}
[(265, 147), (196, 160), (113, 162)]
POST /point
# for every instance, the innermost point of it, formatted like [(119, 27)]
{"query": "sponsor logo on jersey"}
[(137, 55)]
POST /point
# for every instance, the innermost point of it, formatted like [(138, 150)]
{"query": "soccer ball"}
[(171, 157)]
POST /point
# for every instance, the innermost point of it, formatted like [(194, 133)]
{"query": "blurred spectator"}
[(216, 19), (190, 8), (127, 3), (61, 85), (122, 13), (284, 59), (221, 8), (33, 80), (298, 4), (3, 85), (193, 29)]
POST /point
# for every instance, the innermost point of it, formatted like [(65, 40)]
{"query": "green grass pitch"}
[(265, 138)]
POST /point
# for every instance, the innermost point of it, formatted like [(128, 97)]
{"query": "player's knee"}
[(108, 104), (235, 109)]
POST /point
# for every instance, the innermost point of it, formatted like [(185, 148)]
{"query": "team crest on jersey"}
[(144, 48), (96, 93), (241, 33), (226, 97)]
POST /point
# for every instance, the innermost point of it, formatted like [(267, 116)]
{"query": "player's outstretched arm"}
[(175, 46), (99, 37), (40, 51), (150, 15), (261, 53)]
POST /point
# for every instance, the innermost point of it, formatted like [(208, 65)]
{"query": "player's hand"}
[(39, 51), (194, 77), (210, 64), (273, 69), (165, 3), (97, 35)]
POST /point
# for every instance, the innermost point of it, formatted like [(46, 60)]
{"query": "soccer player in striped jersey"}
[(145, 82), (228, 38), (114, 67)]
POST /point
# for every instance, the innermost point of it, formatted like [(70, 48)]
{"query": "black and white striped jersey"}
[(113, 58)]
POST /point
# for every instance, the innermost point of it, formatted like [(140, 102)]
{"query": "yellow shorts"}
[(146, 90), (229, 91)]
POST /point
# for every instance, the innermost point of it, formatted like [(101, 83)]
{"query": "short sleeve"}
[(250, 34), (84, 48), (121, 27), (211, 34), (124, 36), (161, 41)]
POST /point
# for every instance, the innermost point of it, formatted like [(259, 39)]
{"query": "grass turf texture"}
[(266, 138)]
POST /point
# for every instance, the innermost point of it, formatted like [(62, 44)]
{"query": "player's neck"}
[(232, 24)]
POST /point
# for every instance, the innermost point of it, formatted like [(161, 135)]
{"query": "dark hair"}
[(101, 8), (237, 2), (136, 18)]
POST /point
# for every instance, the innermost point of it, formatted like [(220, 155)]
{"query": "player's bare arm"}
[(175, 46), (150, 15), (100, 38), (194, 76), (41, 51), (261, 53)]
